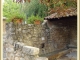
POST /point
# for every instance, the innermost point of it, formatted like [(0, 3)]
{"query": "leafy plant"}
[(54, 4), (34, 18), (18, 15), (11, 10), (35, 8)]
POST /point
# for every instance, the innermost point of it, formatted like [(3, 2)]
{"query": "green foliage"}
[(18, 15), (54, 5), (34, 18), (71, 3), (11, 10), (35, 8), (34, 11)]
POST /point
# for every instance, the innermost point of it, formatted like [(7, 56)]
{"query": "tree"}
[(34, 8), (55, 5)]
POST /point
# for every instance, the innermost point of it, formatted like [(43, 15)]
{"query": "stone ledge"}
[(26, 49), (30, 50)]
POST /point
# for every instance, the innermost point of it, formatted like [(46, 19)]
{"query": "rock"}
[(17, 58), (41, 58), (27, 58), (72, 55), (22, 59), (4, 55), (30, 50), (22, 55), (18, 54), (19, 45), (9, 49), (4, 58), (10, 56), (11, 40)]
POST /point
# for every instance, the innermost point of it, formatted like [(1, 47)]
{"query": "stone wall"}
[(20, 40), (64, 30), (39, 36), (14, 49), (20, 51), (23, 52)]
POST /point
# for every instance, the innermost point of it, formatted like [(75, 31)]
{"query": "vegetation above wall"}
[(54, 5), (34, 8), (41, 8), (12, 10), (33, 18)]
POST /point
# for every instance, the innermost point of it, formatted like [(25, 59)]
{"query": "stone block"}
[(4, 58), (9, 49), (10, 40), (27, 57), (24, 31), (30, 50), (17, 58), (4, 55), (18, 54), (22, 59), (41, 58), (22, 55), (19, 45), (10, 56)]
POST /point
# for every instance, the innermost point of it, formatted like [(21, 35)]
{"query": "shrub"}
[(34, 18)]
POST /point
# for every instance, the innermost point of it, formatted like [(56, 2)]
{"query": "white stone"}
[(43, 38), (4, 58), (10, 56), (20, 44), (22, 59), (41, 58), (30, 50), (10, 40), (30, 24), (17, 58), (26, 58), (18, 54), (4, 55), (23, 55), (19, 29), (15, 52), (9, 49)]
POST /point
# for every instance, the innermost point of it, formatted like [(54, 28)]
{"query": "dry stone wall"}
[(14, 49), (29, 41), (21, 52), (64, 29), (40, 36)]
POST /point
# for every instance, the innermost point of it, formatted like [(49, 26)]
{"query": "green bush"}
[(12, 10), (34, 18), (16, 15)]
